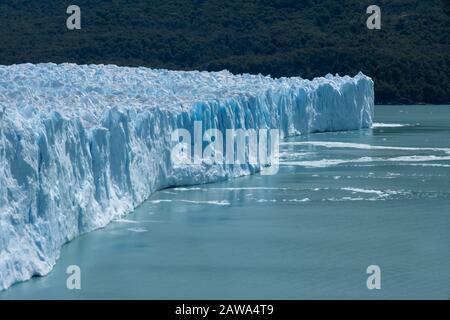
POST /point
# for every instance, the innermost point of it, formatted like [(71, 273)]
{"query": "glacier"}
[(81, 145)]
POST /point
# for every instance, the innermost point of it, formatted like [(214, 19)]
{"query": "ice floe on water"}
[(228, 189), (440, 165), (350, 145), (323, 163), (317, 160), (125, 221), (379, 193), (213, 202), (389, 125), (137, 230)]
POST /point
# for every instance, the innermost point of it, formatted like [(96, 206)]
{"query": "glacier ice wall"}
[(82, 145)]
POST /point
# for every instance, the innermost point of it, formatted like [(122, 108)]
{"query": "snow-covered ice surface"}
[(83, 145)]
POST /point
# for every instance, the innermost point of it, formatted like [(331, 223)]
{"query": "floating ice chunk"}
[(388, 125)]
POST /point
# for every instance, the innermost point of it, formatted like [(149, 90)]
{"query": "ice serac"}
[(82, 145)]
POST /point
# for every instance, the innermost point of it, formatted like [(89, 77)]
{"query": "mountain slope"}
[(409, 58)]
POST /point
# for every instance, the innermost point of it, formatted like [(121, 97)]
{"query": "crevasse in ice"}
[(82, 145)]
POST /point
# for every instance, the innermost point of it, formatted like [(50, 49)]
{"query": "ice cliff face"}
[(82, 145)]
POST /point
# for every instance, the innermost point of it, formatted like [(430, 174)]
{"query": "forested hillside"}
[(409, 58)]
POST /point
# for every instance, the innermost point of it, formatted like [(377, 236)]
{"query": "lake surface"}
[(340, 203)]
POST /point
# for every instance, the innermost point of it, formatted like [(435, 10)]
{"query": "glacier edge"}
[(83, 145)]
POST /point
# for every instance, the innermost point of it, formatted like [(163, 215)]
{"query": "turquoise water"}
[(341, 202)]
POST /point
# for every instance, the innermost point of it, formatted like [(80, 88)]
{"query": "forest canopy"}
[(408, 58)]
